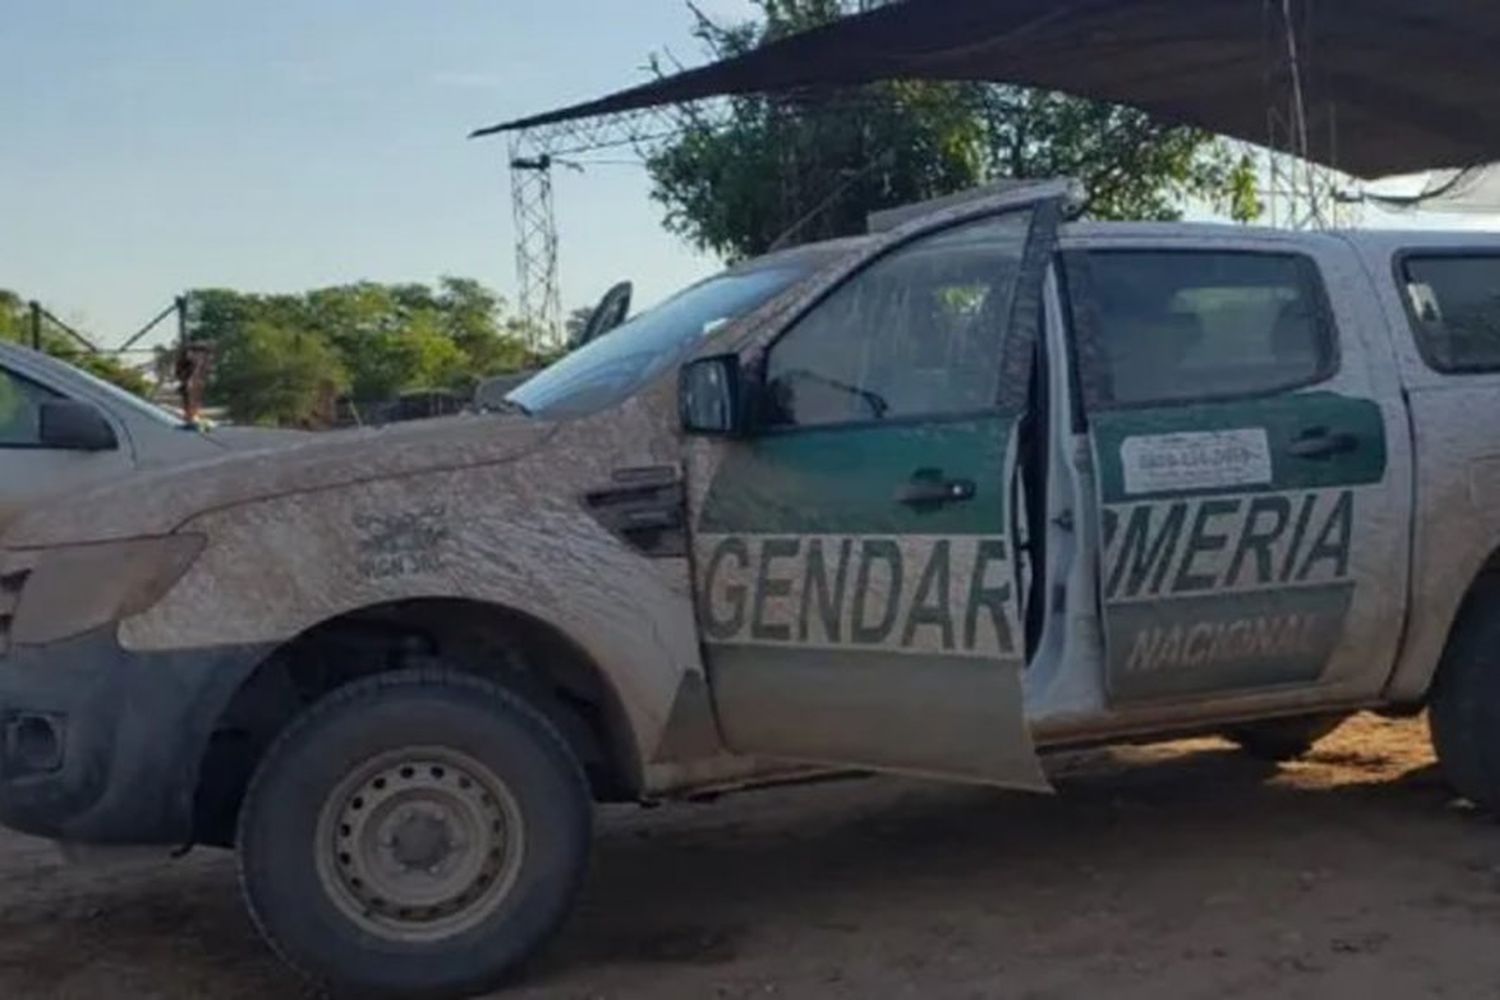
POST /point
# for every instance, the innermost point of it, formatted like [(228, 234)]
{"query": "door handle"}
[(1319, 442), (929, 487)]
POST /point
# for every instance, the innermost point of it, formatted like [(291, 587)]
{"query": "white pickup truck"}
[(935, 501)]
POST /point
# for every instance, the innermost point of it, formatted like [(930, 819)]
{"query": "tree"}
[(288, 358), (268, 374), (577, 320), (111, 370), (13, 320), (387, 340), (795, 169), (1131, 166)]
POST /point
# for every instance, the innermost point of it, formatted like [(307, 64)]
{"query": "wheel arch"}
[(1417, 669), (531, 657)]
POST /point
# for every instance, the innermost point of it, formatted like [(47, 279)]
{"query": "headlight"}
[(76, 589)]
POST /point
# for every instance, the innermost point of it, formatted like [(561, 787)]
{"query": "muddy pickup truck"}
[(939, 501)]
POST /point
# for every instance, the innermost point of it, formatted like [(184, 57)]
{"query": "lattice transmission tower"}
[(534, 154), (538, 292)]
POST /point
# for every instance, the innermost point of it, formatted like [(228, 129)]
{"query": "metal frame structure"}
[(1301, 193), (538, 289), (534, 153)]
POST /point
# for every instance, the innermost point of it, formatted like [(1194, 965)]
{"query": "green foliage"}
[(110, 370), (287, 359), (1131, 166), (12, 317), (378, 341), (268, 374), (15, 326), (786, 169)]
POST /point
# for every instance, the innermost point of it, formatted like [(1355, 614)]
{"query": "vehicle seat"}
[(1148, 355), (1295, 344)]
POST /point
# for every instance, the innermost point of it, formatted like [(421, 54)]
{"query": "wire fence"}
[(46, 332)]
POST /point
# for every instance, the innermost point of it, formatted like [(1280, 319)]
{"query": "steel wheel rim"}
[(419, 844)]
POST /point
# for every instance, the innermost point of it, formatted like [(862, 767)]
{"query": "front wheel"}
[(414, 833)]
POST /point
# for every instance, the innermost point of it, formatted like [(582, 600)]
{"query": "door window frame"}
[(1013, 386), (1091, 372), (1399, 274)]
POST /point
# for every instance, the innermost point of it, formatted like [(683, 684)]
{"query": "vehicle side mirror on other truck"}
[(69, 425), (712, 396)]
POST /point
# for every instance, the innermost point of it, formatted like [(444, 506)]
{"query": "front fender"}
[(513, 535)]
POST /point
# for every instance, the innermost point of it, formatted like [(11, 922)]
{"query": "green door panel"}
[(845, 627), (1283, 418), (841, 480), (1236, 578), (1167, 649)]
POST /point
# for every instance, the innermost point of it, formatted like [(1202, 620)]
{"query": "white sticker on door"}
[(1197, 460)]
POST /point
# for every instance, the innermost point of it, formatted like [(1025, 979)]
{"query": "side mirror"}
[(69, 425), (611, 311), (711, 396)]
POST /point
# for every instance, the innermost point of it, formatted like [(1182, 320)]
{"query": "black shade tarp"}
[(1389, 86)]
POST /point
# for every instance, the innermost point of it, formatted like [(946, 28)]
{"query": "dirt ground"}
[(1179, 871)]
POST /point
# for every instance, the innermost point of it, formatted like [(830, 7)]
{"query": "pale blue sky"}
[(149, 146)]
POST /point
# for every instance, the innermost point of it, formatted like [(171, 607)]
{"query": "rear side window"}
[(1455, 308), (20, 409), (1187, 325)]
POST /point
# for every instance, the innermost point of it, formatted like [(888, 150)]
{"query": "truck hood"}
[(260, 465), (256, 438), (165, 448)]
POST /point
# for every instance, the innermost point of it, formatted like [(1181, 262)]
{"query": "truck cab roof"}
[(1367, 241)]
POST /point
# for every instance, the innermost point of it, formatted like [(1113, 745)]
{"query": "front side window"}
[(1455, 304), (20, 410), (917, 333), (1185, 325)]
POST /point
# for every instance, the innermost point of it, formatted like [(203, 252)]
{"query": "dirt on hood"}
[(255, 468)]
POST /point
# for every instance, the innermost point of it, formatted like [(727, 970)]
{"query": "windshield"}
[(608, 370)]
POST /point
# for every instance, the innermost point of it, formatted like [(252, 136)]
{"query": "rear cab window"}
[(1453, 299), (1191, 325)]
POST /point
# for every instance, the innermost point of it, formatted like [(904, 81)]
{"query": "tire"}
[(417, 833), (1280, 740), (1464, 710)]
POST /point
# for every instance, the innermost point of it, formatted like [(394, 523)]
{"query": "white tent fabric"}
[(1475, 191)]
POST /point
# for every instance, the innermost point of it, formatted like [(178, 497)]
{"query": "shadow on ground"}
[(1182, 871)]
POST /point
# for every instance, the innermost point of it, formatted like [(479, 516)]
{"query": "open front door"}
[(855, 557)]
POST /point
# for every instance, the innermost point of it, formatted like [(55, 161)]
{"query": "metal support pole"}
[(181, 304), (36, 325), (135, 338)]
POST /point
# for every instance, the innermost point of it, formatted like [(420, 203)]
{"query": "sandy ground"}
[(1179, 871)]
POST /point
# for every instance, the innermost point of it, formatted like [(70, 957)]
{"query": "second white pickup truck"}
[(62, 429)]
